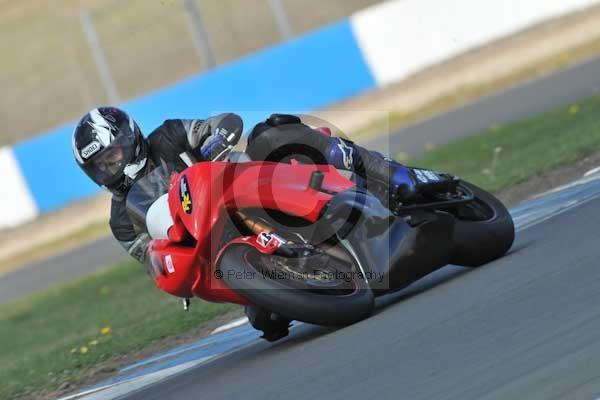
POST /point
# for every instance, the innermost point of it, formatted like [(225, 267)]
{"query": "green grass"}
[(506, 155), (48, 339)]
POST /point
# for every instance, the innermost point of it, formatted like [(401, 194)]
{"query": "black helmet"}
[(110, 148)]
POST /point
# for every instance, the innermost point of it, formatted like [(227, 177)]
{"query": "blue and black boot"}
[(372, 166)]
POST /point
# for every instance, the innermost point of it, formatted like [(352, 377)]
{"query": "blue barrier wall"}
[(307, 73)]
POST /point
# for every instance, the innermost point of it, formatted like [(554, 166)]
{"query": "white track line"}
[(231, 325)]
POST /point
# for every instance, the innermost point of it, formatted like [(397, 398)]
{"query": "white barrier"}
[(402, 37), (16, 203)]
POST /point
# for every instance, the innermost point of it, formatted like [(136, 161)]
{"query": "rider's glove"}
[(218, 145)]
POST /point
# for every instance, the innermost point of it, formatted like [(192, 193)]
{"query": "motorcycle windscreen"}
[(145, 192)]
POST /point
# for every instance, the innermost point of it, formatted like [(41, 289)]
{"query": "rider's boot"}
[(371, 165)]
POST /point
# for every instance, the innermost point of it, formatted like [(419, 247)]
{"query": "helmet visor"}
[(106, 168), (110, 162)]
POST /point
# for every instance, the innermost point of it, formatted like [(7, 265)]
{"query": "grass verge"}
[(54, 338), (507, 155), (61, 335)]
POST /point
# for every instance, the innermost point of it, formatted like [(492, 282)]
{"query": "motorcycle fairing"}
[(213, 191), (218, 189), (392, 252)]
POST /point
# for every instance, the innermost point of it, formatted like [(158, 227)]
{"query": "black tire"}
[(293, 303), (484, 238)]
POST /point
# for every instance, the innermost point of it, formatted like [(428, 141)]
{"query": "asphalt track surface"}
[(527, 99), (526, 326), (60, 268)]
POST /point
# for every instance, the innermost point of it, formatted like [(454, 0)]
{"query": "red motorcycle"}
[(306, 241)]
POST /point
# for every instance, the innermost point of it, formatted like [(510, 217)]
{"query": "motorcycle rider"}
[(109, 147)]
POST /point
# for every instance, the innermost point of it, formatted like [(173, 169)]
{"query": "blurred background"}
[(504, 94), (61, 58)]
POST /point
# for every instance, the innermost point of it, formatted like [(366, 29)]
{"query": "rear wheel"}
[(323, 289), (483, 231)]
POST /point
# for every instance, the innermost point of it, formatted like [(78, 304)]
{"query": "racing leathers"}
[(181, 143)]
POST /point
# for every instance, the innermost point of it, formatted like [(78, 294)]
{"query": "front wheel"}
[(484, 229), (326, 290)]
